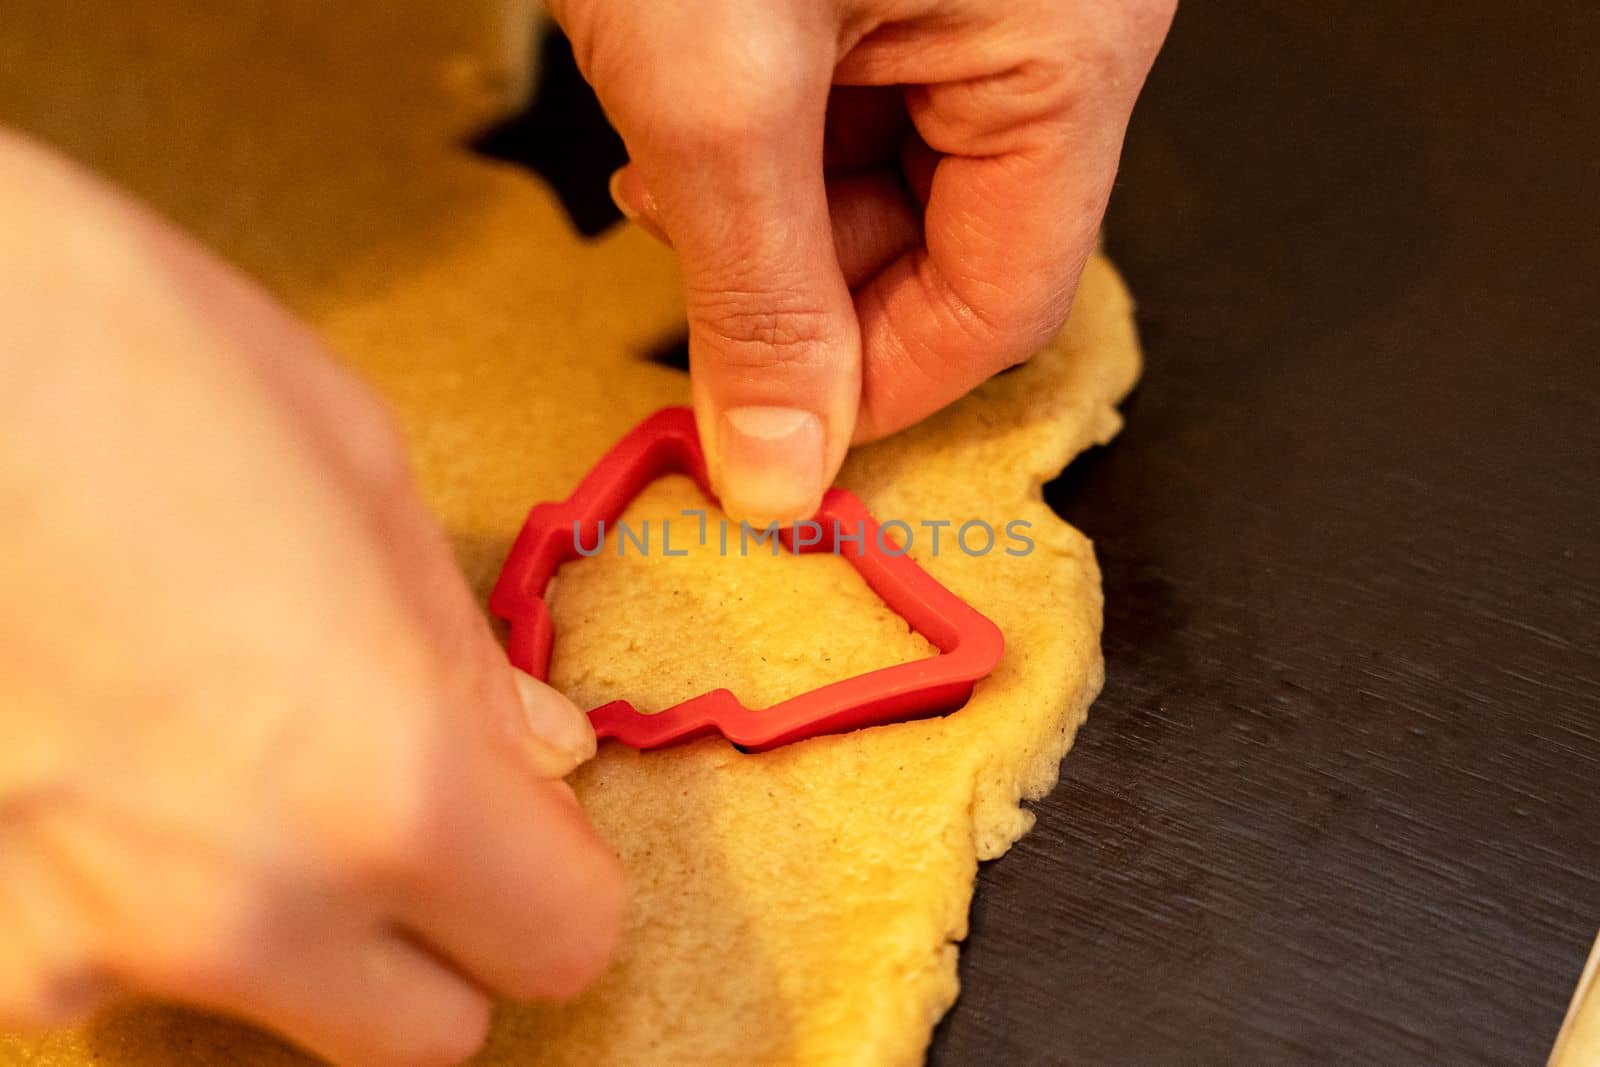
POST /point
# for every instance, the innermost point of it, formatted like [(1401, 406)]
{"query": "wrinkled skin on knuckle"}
[(767, 335), (755, 332), (1002, 328), (1002, 112)]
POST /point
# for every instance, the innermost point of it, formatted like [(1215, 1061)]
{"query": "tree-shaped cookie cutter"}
[(969, 644)]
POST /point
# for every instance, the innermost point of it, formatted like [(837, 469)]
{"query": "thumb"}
[(736, 186), (565, 736)]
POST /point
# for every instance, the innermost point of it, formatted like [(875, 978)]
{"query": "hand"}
[(877, 203), (258, 748)]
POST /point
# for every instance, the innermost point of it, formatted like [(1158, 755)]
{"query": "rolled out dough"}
[(800, 906)]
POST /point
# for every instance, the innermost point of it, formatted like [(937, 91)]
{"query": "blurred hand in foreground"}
[(259, 750), (877, 203)]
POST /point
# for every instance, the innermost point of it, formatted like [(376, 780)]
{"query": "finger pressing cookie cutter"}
[(969, 644)]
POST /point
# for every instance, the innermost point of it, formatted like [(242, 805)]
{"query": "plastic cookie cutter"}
[(969, 644)]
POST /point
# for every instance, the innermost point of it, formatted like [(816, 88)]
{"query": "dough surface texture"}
[(801, 906)]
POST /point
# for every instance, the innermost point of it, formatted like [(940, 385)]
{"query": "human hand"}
[(877, 204), (259, 750)]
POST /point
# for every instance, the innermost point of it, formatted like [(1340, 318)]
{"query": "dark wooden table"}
[(1340, 800)]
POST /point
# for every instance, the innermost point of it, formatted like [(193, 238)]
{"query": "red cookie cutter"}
[(969, 644)]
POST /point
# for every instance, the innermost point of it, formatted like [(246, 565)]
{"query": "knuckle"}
[(757, 331), (1041, 86), (989, 335), (1007, 332), (750, 118)]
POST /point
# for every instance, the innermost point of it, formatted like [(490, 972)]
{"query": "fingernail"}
[(631, 212), (555, 720), (770, 463)]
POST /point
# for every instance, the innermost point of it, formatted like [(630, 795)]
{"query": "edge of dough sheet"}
[(852, 960)]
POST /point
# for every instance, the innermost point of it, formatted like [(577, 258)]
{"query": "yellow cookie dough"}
[(658, 629), (800, 906)]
